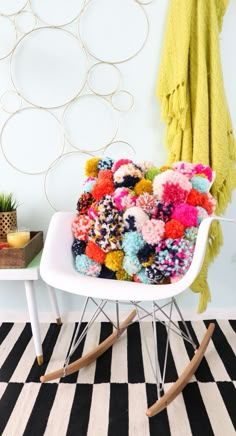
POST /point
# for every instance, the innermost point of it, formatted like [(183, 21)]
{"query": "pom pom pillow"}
[(137, 222)]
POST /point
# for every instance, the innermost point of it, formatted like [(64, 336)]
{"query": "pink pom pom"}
[(153, 231), (123, 198), (147, 202), (136, 279), (171, 186), (92, 212), (146, 165), (175, 279), (185, 168), (120, 162), (80, 227), (202, 169), (186, 214), (212, 202)]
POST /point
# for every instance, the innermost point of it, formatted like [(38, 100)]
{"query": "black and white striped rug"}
[(110, 397)]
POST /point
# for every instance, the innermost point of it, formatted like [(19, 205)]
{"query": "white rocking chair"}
[(58, 270)]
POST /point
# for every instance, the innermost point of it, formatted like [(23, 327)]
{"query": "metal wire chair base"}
[(142, 314), (139, 313)]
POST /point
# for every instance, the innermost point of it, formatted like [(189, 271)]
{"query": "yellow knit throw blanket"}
[(191, 90)]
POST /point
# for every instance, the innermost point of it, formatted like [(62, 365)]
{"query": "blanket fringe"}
[(174, 110), (215, 241)]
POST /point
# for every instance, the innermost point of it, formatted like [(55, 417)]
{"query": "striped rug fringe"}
[(110, 397)]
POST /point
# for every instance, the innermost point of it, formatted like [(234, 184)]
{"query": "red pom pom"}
[(206, 204), (101, 188), (174, 229), (136, 279), (195, 198), (94, 252), (105, 174)]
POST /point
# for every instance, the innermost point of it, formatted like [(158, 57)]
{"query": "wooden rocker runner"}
[(92, 355), (58, 271)]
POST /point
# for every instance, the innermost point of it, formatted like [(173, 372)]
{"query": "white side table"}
[(29, 275)]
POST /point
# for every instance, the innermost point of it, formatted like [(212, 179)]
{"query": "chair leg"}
[(179, 385), (53, 299), (34, 319), (92, 355)]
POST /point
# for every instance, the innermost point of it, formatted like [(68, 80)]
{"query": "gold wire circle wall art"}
[(144, 2), (48, 67), (10, 101), (122, 100), (7, 37), (25, 21), (90, 123), (11, 7), (117, 35), (67, 174), (31, 139), (119, 150), (104, 79), (57, 12)]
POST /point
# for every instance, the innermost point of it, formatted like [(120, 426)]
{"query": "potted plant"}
[(8, 218)]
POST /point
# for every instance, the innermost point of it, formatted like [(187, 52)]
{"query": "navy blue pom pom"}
[(78, 247), (105, 163), (127, 182), (107, 273), (145, 252), (154, 274)]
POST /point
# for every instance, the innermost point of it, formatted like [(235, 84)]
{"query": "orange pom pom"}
[(101, 188), (105, 174), (94, 252), (174, 229)]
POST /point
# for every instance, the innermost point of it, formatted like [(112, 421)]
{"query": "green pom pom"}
[(152, 173)]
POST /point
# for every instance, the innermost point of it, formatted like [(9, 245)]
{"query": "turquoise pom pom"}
[(202, 213), (87, 266), (190, 233), (88, 186), (132, 242), (131, 264), (142, 277), (201, 184)]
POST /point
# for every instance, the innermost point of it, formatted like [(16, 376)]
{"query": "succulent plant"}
[(7, 202)]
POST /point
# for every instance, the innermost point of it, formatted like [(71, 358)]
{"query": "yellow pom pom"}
[(114, 260), (123, 275), (149, 262), (91, 167), (201, 175), (165, 167), (143, 186)]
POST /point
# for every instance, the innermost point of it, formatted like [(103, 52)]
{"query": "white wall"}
[(143, 129)]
